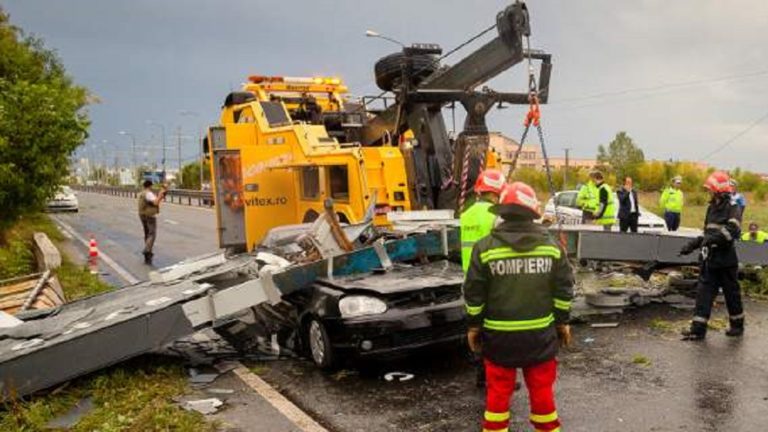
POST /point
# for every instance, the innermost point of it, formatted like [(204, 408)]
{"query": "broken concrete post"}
[(47, 255)]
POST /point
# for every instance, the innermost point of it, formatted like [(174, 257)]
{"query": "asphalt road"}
[(630, 378), (183, 232)]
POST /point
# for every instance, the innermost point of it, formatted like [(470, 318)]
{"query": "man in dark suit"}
[(629, 208)]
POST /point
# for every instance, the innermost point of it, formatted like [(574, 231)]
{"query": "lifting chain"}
[(533, 117)]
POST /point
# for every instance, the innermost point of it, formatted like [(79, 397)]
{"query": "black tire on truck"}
[(388, 70)]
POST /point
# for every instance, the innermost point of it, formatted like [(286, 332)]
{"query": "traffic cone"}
[(93, 256)]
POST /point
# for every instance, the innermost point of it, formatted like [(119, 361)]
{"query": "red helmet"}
[(719, 182), (490, 180), (518, 199)]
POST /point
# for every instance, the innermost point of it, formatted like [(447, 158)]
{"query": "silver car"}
[(64, 200), (570, 214)]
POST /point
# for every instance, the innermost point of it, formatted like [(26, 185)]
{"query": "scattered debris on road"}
[(203, 406)]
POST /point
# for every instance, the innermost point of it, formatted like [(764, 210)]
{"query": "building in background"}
[(531, 155)]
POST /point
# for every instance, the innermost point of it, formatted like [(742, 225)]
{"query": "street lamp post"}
[(199, 142), (374, 34), (162, 131), (133, 152)]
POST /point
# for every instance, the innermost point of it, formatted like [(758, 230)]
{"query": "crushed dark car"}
[(375, 315)]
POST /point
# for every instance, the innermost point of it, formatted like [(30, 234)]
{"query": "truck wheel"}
[(310, 216), (388, 70), (319, 344)]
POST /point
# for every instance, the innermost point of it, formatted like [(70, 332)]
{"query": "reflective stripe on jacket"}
[(671, 200), (476, 222), (519, 284)]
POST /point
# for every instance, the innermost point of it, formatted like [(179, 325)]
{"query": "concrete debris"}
[(589, 340), (203, 378), (604, 325), (398, 376), (220, 391), (7, 320), (35, 291), (203, 406), (73, 416), (187, 268), (609, 300)]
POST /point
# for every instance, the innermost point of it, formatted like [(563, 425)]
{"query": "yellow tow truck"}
[(284, 146)]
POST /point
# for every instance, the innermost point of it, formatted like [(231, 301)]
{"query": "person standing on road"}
[(671, 202), (476, 222), (518, 293), (738, 199), (718, 262), (149, 207), (605, 214), (629, 209)]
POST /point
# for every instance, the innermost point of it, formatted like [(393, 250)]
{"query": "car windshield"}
[(65, 190), (566, 199)]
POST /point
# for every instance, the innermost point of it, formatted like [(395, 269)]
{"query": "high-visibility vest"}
[(760, 237), (671, 200), (476, 222), (588, 198), (609, 215)]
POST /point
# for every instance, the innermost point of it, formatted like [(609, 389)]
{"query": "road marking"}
[(122, 272), (169, 221), (298, 417)]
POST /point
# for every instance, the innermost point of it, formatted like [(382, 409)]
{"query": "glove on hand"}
[(473, 339), (564, 334)]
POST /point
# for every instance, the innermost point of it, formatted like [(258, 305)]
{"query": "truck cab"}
[(285, 145)]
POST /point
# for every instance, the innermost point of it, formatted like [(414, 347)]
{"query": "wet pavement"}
[(636, 377), (182, 232)]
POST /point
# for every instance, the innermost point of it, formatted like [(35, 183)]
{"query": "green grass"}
[(696, 207), (641, 360), (17, 259), (135, 396)]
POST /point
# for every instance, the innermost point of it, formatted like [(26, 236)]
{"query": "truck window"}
[(339, 179), (310, 183)]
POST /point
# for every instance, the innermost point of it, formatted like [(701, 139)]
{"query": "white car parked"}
[(64, 200), (569, 213)]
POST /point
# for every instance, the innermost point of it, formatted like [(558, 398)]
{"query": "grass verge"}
[(135, 396)]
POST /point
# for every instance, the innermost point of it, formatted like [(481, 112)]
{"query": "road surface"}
[(182, 232), (636, 377)]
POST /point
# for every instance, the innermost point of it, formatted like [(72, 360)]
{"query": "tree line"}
[(623, 158)]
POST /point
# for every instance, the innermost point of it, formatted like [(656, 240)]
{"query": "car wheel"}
[(320, 349)]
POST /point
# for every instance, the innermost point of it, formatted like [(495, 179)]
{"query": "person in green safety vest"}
[(587, 200), (671, 202), (754, 234), (605, 214), (477, 221)]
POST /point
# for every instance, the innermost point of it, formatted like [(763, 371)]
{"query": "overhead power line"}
[(736, 137), (659, 87)]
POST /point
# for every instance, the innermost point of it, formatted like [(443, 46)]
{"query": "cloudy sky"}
[(684, 78)]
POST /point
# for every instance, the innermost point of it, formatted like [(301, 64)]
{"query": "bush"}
[(697, 198), (760, 192)]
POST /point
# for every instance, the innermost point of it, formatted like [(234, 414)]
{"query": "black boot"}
[(736, 329), (148, 258), (697, 332)]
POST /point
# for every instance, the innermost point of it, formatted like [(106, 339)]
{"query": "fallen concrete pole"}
[(653, 248), (96, 332)]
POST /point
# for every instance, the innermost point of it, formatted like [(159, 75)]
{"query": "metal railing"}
[(175, 196)]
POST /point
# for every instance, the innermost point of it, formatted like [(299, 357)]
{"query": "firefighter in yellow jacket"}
[(518, 293)]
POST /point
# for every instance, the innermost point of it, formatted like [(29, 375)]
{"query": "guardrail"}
[(176, 196)]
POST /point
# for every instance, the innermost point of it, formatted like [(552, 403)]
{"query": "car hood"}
[(401, 279)]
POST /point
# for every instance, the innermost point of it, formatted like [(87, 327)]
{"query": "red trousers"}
[(500, 384)]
